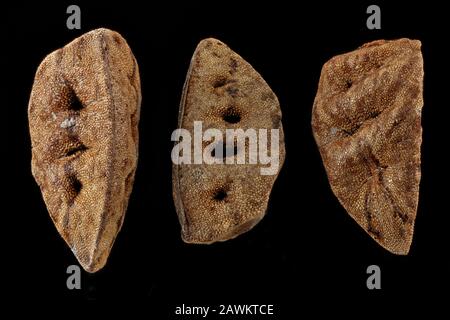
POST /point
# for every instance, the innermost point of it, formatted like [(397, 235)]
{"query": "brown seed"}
[(217, 202), (367, 124), (83, 117)]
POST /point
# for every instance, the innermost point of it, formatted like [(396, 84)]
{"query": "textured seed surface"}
[(220, 201), (83, 117), (367, 124)]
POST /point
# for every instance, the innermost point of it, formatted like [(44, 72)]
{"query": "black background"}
[(307, 252)]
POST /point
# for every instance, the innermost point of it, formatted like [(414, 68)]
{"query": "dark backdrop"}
[(307, 251)]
